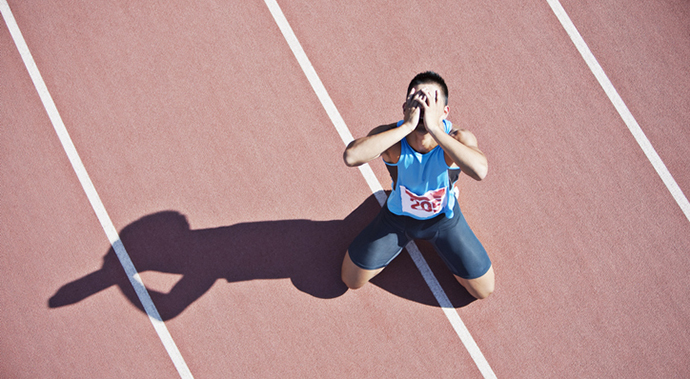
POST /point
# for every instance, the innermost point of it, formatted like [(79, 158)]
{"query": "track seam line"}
[(620, 106), (377, 189), (92, 195)]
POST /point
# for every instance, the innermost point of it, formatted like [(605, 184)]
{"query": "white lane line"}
[(377, 189), (92, 195), (620, 106)]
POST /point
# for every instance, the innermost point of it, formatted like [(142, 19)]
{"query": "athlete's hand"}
[(412, 110), (433, 106)]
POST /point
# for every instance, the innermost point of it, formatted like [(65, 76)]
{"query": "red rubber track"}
[(201, 110)]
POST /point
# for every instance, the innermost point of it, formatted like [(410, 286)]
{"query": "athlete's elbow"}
[(481, 172), (350, 160)]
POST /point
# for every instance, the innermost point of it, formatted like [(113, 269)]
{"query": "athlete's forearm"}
[(365, 149), (469, 158)]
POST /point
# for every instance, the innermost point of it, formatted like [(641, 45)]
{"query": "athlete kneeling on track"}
[(424, 155)]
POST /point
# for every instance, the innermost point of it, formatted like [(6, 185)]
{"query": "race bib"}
[(423, 206)]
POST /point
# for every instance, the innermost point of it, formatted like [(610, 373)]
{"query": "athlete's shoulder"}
[(464, 136)]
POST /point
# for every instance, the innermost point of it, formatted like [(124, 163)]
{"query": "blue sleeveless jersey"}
[(422, 186)]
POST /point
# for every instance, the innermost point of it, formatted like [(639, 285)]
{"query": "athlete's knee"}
[(353, 285), (482, 287), (479, 293), (351, 274), (483, 292), (350, 280), (354, 276)]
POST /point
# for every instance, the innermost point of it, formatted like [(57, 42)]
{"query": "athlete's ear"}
[(446, 110)]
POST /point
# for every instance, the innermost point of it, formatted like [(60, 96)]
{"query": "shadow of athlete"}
[(308, 252)]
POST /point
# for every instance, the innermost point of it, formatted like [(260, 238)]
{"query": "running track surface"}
[(223, 174)]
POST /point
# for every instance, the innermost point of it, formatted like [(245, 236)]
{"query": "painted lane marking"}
[(620, 106), (92, 195), (377, 189)]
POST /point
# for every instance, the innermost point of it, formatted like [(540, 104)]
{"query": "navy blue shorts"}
[(384, 238)]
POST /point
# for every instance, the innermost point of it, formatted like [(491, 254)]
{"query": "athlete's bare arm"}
[(374, 145), (466, 154), (460, 146), (379, 141)]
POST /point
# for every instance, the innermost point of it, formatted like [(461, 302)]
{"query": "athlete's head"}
[(430, 77)]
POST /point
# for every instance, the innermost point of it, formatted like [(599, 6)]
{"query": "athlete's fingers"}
[(410, 95), (432, 96), (411, 103), (422, 98), (412, 98), (425, 92)]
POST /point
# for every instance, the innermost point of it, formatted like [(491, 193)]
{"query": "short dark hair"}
[(430, 77)]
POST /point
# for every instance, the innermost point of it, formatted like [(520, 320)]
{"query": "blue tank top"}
[(422, 183)]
